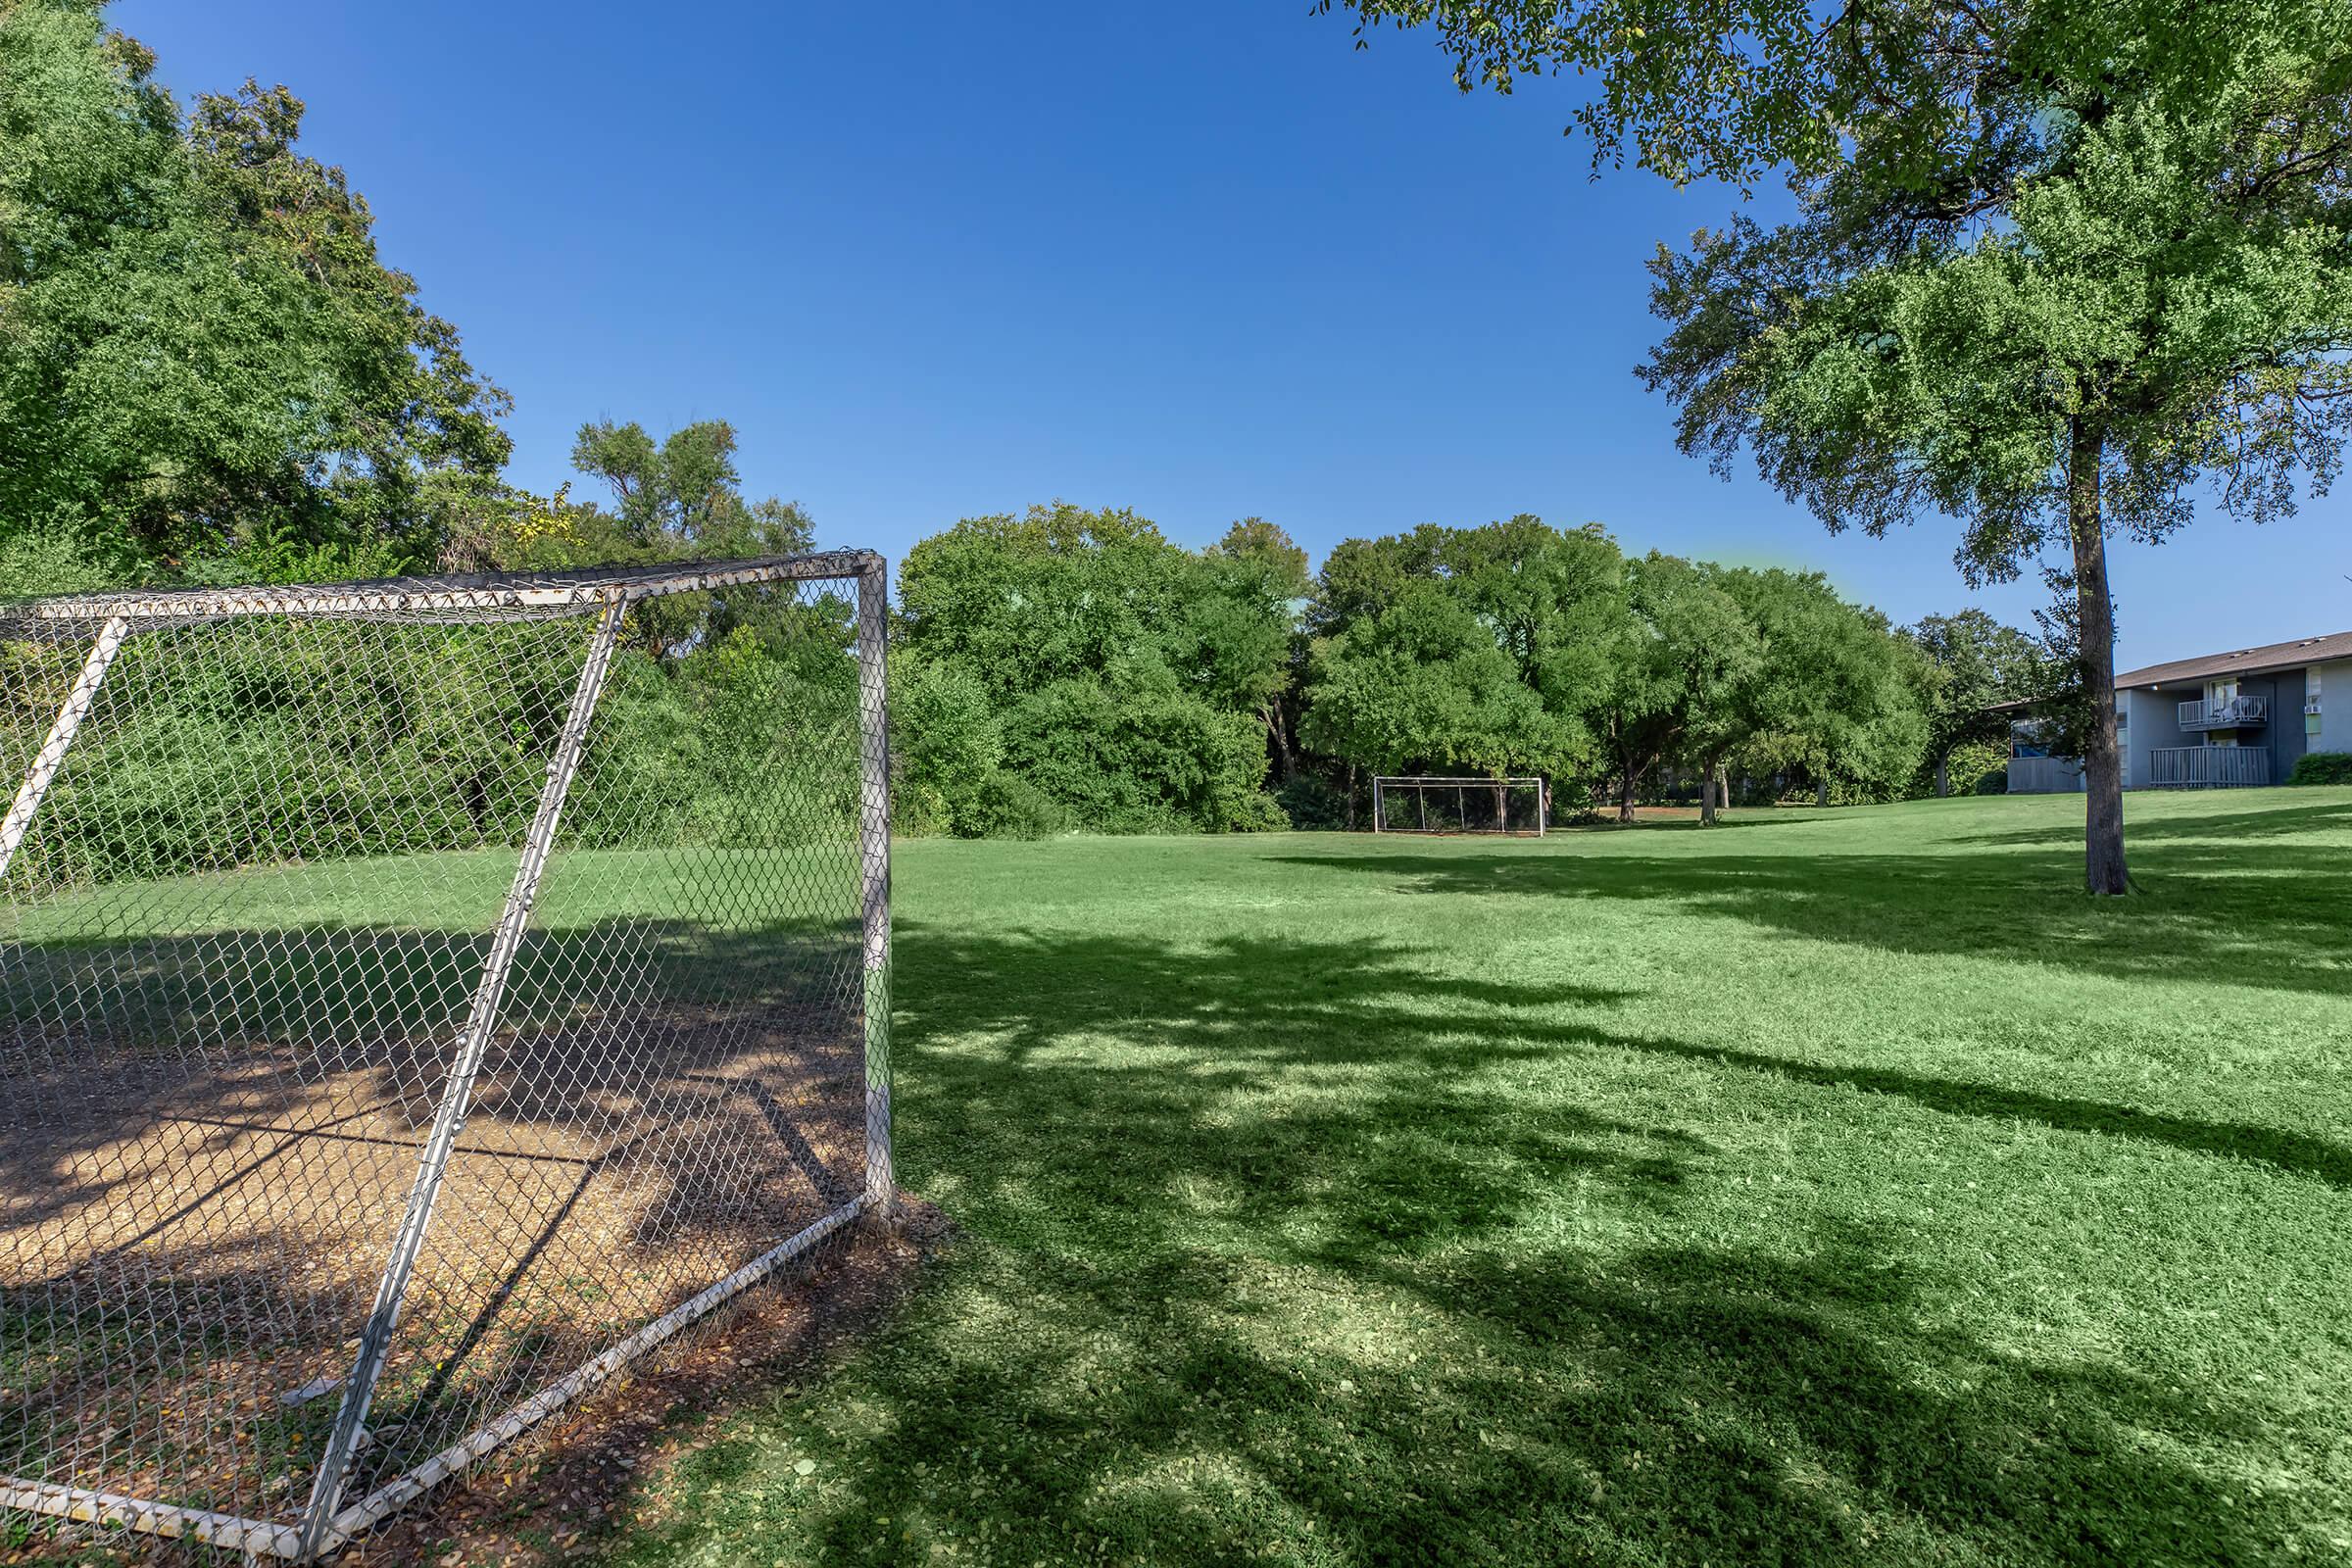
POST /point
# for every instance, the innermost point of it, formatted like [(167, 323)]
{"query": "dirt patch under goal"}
[(564, 1492), (189, 1252)]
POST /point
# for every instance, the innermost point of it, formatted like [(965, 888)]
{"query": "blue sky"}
[(1203, 260)]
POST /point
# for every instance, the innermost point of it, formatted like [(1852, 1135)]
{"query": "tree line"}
[(2054, 267), (1068, 667)]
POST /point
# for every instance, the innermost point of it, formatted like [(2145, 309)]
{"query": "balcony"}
[(2208, 768), (2238, 712)]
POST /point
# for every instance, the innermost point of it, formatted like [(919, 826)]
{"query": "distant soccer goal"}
[(418, 1000), (1419, 803)]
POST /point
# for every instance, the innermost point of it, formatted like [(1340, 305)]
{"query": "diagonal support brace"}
[(19, 820)]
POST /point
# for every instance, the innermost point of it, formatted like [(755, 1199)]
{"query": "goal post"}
[(419, 999), (1407, 803)]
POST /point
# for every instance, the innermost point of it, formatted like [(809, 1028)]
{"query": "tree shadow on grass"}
[(207, 1141), (2228, 824), (2290, 1152), (2257, 913), (1267, 1263)]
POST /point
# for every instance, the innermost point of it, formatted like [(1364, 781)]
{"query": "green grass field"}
[(1825, 1187), (1836, 1186)]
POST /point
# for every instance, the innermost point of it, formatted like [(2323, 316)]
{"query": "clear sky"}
[(1202, 260)]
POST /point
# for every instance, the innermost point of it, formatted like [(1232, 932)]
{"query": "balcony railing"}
[(2238, 712), (2208, 768)]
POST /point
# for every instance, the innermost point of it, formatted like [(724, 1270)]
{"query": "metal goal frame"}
[(115, 623), (1420, 784)]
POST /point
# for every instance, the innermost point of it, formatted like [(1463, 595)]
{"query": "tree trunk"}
[(1271, 713), (1625, 791), (1821, 789), (1723, 786), (1943, 775), (1706, 796), (2103, 869)]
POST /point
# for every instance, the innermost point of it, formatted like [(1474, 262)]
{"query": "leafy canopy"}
[(1129, 680), (2019, 220), (200, 354)]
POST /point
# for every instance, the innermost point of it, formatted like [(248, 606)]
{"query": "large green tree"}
[(678, 498), (1554, 601), (1131, 677), (200, 354), (1423, 685), (1976, 663), (1240, 637), (1675, 670), (1054, 593), (1551, 602), (1830, 689), (2057, 264)]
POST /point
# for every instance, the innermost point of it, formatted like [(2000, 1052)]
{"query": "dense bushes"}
[(1135, 754), (1007, 806), (1074, 667), (2321, 767), (1973, 763)]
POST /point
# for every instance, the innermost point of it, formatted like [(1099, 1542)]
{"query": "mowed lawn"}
[(1829, 1187)]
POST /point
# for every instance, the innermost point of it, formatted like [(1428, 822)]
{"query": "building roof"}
[(2243, 661)]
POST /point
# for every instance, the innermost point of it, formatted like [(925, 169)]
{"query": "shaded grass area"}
[(1844, 1187), (214, 1090)]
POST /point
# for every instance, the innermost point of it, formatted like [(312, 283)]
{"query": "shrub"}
[(1312, 803), (945, 745), (1140, 755), (36, 561), (2321, 767), (1007, 806), (1973, 761), (918, 811), (1994, 782), (1258, 813)]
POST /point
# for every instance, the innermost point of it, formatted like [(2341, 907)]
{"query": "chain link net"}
[(252, 926)]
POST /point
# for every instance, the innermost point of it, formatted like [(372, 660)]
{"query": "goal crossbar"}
[(462, 597)]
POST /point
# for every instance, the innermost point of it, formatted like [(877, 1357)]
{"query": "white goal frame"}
[(595, 600), (1420, 784)]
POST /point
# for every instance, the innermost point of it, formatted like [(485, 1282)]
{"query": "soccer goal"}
[(1413, 804), (422, 998)]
